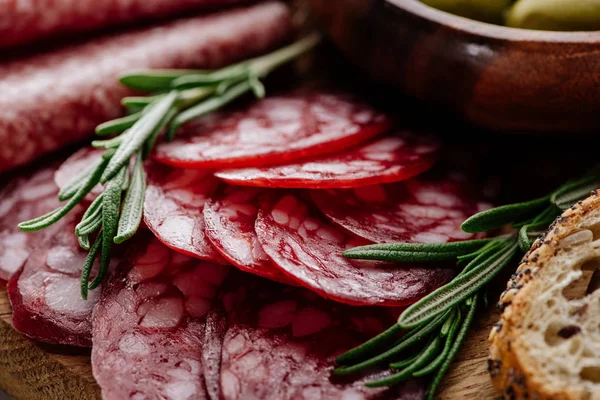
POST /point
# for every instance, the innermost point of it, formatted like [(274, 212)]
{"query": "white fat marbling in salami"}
[(275, 130), (148, 325), (391, 158), (420, 210), (173, 209), (45, 295), (26, 196), (53, 99), (280, 342), (230, 219), (23, 21), (308, 248)]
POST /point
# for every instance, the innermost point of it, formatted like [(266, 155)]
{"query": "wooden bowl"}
[(496, 77)]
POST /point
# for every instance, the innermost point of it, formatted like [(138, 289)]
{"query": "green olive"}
[(555, 15), (481, 10)]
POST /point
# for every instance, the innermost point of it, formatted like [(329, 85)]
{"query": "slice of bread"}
[(547, 343)]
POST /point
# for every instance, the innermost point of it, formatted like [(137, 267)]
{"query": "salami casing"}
[(173, 209), (148, 325), (275, 130), (53, 99), (420, 210), (391, 158), (24, 21), (230, 219), (45, 295), (281, 342), (308, 248), (26, 196)]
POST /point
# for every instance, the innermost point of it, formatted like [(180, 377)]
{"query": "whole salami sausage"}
[(24, 21), (149, 323), (54, 99), (280, 342)]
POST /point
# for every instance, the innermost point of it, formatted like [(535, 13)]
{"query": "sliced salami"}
[(308, 248), (230, 222), (275, 130), (391, 158), (173, 209), (45, 295), (281, 343), (23, 21), (54, 99), (24, 197), (416, 211), (148, 326)]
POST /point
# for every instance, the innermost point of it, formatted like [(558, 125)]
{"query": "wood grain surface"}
[(34, 371)]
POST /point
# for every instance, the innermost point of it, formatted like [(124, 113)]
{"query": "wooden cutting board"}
[(34, 371)]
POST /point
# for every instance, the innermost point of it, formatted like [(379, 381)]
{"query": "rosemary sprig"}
[(438, 323), (177, 97)]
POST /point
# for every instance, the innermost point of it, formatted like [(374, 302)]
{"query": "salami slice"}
[(45, 295), (309, 249), (24, 197), (275, 130), (173, 209), (148, 326), (281, 343), (230, 222), (24, 22), (54, 99), (416, 211), (394, 157)]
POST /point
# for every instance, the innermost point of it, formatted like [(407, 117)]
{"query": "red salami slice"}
[(391, 158), (54, 99), (24, 21), (415, 211), (230, 227), (309, 249), (73, 166), (281, 343), (27, 196), (173, 209), (275, 130), (148, 326), (45, 295)]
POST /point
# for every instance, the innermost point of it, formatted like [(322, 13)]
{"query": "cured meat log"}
[(391, 158), (54, 99), (309, 249), (149, 323), (275, 130), (280, 342), (23, 21), (26, 196)]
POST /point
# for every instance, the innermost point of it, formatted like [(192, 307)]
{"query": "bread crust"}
[(514, 370)]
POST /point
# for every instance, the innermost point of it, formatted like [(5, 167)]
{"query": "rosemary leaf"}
[(367, 348), (428, 354), (138, 134), (453, 350), (84, 242), (140, 101), (565, 199), (118, 125), (503, 215), (407, 362), (154, 80), (111, 204), (131, 215), (55, 215), (149, 144), (439, 360), (462, 287), (87, 266), (409, 339), (69, 190), (112, 143), (449, 322)]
